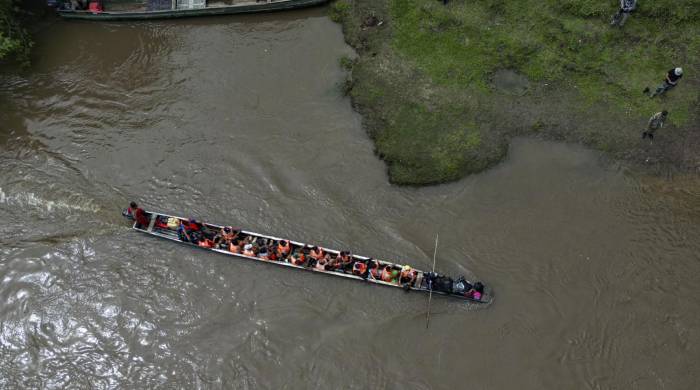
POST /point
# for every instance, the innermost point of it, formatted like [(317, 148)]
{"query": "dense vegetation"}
[(14, 41), (425, 78)]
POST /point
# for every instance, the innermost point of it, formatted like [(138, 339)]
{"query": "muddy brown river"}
[(595, 269)]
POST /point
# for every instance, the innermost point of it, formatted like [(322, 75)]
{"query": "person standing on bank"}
[(626, 7), (669, 82), (655, 122)]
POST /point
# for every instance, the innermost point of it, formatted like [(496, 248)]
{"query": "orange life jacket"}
[(386, 276), (299, 259), (284, 250), (318, 255), (234, 248)]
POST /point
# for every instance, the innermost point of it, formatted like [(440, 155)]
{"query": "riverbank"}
[(443, 89), (15, 40)]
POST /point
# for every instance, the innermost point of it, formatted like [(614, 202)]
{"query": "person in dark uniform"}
[(626, 8), (655, 122)]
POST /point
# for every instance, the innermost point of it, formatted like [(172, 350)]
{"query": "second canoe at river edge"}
[(167, 9)]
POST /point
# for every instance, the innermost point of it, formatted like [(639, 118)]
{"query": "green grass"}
[(423, 80)]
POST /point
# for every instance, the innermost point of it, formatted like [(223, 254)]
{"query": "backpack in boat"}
[(443, 283), (461, 286)]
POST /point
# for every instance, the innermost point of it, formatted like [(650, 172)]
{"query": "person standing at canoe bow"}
[(139, 215)]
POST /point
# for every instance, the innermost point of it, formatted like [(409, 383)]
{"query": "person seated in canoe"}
[(360, 269), (321, 264), (219, 241), (263, 253), (272, 254), (162, 223), (476, 292), (374, 269), (346, 261), (193, 225), (141, 217), (228, 233), (408, 275), (390, 275), (284, 248), (248, 250), (299, 257), (182, 233), (235, 246), (79, 5), (316, 253), (334, 263), (193, 230), (206, 243)]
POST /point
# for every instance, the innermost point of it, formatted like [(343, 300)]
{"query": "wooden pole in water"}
[(430, 295)]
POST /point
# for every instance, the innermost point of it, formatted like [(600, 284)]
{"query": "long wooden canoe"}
[(174, 12), (158, 227)]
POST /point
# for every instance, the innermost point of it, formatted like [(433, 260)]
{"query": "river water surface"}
[(241, 120)]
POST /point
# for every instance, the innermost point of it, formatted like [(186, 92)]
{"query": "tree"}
[(14, 40)]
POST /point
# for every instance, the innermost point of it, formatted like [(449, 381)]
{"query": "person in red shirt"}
[(140, 216)]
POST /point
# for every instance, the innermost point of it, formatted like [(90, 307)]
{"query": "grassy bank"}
[(444, 88)]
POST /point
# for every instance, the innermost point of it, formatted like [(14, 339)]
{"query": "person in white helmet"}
[(626, 7), (669, 82)]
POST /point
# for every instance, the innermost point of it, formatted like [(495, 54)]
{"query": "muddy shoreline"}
[(431, 131)]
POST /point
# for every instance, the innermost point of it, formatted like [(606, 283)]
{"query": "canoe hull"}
[(189, 13), (172, 236)]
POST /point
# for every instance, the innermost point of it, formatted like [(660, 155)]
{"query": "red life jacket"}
[(141, 217), (95, 7)]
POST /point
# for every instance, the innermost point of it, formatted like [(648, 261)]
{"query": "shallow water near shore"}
[(241, 120)]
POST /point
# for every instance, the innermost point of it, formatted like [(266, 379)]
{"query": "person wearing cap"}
[(626, 7), (655, 122), (408, 275), (671, 80), (248, 250)]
